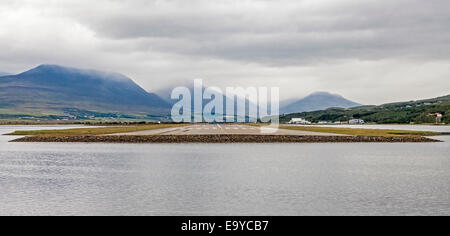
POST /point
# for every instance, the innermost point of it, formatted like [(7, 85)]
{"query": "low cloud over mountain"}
[(318, 101), (51, 87)]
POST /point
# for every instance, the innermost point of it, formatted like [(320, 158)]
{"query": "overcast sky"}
[(370, 51)]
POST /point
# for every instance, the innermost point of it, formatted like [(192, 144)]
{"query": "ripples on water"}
[(224, 179)]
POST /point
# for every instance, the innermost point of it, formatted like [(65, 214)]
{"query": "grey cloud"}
[(358, 48), (290, 34)]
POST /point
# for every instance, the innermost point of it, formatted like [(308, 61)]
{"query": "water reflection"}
[(222, 179)]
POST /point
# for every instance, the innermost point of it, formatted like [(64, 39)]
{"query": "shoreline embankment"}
[(223, 139)]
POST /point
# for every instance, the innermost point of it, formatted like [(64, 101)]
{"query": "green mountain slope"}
[(54, 91), (402, 112)]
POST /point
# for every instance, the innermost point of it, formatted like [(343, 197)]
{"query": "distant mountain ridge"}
[(53, 87), (166, 95), (318, 101)]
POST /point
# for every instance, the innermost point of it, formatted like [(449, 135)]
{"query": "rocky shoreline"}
[(223, 139)]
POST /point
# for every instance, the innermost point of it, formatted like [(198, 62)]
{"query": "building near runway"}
[(356, 122), (299, 121)]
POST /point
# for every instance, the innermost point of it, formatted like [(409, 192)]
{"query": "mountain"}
[(166, 95), (317, 101), (401, 112), (56, 88), (4, 73)]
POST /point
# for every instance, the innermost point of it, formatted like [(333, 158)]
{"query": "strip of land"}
[(224, 138), (221, 133), (204, 129), (361, 131), (96, 131), (226, 129)]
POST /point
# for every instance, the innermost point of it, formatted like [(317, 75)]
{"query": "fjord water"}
[(223, 179)]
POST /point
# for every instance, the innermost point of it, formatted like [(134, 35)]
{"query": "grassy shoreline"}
[(362, 132), (98, 134), (133, 128), (95, 131)]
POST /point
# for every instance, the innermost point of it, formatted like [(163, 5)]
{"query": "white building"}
[(438, 117), (356, 122), (299, 121)]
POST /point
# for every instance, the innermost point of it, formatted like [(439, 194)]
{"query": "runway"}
[(226, 129)]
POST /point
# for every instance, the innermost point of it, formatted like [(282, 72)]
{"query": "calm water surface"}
[(223, 179)]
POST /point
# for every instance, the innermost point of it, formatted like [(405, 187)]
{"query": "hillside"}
[(402, 112), (317, 101), (55, 90)]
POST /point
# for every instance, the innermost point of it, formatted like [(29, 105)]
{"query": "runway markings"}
[(219, 129)]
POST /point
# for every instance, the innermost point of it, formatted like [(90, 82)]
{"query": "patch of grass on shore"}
[(96, 131), (361, 132)]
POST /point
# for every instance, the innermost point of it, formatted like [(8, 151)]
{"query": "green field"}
[(134, 128), (393, 113), (361, 132), (358, 132), (96, 131)]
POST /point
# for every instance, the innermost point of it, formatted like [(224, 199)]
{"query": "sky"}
[(369, 51)]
